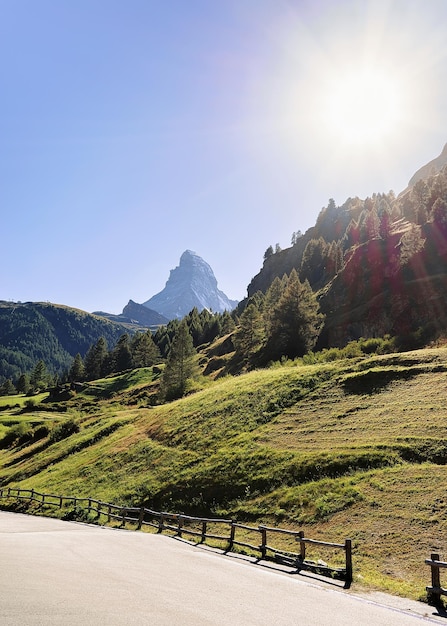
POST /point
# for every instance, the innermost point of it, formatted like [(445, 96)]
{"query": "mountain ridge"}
[(190, 285)]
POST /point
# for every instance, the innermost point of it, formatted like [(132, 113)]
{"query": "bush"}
[(40, 432), (63, 430), (17, 435)]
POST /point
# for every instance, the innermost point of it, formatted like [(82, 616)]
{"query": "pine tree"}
[(23, 384), (439, 212), (227, 324), (313, 261), (195, 326), (296, 322), (385, 225), (39, 378), (143, 349), (180, 366), (77, 370), (250, 335), (272, 297), (8, 388), (411, 243), (95, 359), (268, 253), (121, 357)]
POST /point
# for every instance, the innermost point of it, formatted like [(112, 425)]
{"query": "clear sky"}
[(132, 130)]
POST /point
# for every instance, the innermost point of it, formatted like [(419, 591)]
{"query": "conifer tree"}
[(296, 321), (411, 243), (195, 326), (272, 297), (180, 366), (250, 334), (227, 324), (143, 349), (439, 212), (121, 357), (77, 370), (23, 384), (8, 388), (95, 359), (39, 377)]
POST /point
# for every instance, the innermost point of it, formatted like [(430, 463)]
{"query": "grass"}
[(348, 448), (20, 400)]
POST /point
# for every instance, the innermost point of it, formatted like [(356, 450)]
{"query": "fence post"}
[(31, 497), (435, 580), (302, 556), (232, 534), (160, 523), (203, 532), (263, 546), (180, 525), (348, 555), (140, 518)]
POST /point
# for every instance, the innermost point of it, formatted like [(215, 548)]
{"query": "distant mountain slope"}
[(32, 331), (191, 284), (136, 316), (432, 167)]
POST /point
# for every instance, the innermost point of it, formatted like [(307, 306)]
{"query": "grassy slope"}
[(354, 448)]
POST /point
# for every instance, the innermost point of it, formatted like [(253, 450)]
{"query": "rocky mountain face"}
[(191, 284), (135, 315)]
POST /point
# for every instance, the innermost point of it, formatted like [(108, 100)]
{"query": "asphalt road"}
[(65, 573)]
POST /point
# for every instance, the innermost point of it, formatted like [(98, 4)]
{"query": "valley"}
[(347, 448)]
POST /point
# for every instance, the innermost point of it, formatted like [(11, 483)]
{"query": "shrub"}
[(63, 430), (40, 432), (17, 435)]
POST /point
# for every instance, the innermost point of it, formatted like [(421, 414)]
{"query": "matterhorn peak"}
[(190, 285)]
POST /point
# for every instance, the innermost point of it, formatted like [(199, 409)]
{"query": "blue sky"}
[(132, 131)]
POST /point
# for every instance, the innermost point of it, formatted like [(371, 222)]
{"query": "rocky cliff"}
[(191, 284)]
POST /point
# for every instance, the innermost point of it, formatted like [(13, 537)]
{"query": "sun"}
[(362, 105)]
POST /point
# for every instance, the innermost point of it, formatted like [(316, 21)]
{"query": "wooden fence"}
[(227, 531), (435, 591)]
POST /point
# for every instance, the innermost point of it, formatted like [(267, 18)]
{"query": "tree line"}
[(284, 322)]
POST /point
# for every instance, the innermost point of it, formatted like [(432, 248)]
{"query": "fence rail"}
[(224, 530), (435, 591)]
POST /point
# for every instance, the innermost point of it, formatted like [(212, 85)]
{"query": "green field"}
[(353, 448)]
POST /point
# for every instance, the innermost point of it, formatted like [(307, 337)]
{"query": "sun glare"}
[(362, 106)]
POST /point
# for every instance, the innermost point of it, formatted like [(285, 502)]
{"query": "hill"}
[(33, 331), (352, 447), (378, 266)]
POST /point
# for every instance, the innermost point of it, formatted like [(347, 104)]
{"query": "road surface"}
[(54, 572)]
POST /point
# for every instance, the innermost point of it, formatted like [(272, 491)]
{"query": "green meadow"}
[(348, 448)]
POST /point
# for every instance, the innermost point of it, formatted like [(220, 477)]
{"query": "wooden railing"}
[(227, 531), (435, 591)]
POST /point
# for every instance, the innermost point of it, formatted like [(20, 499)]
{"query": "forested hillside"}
[(34, 331), (377, 266)]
